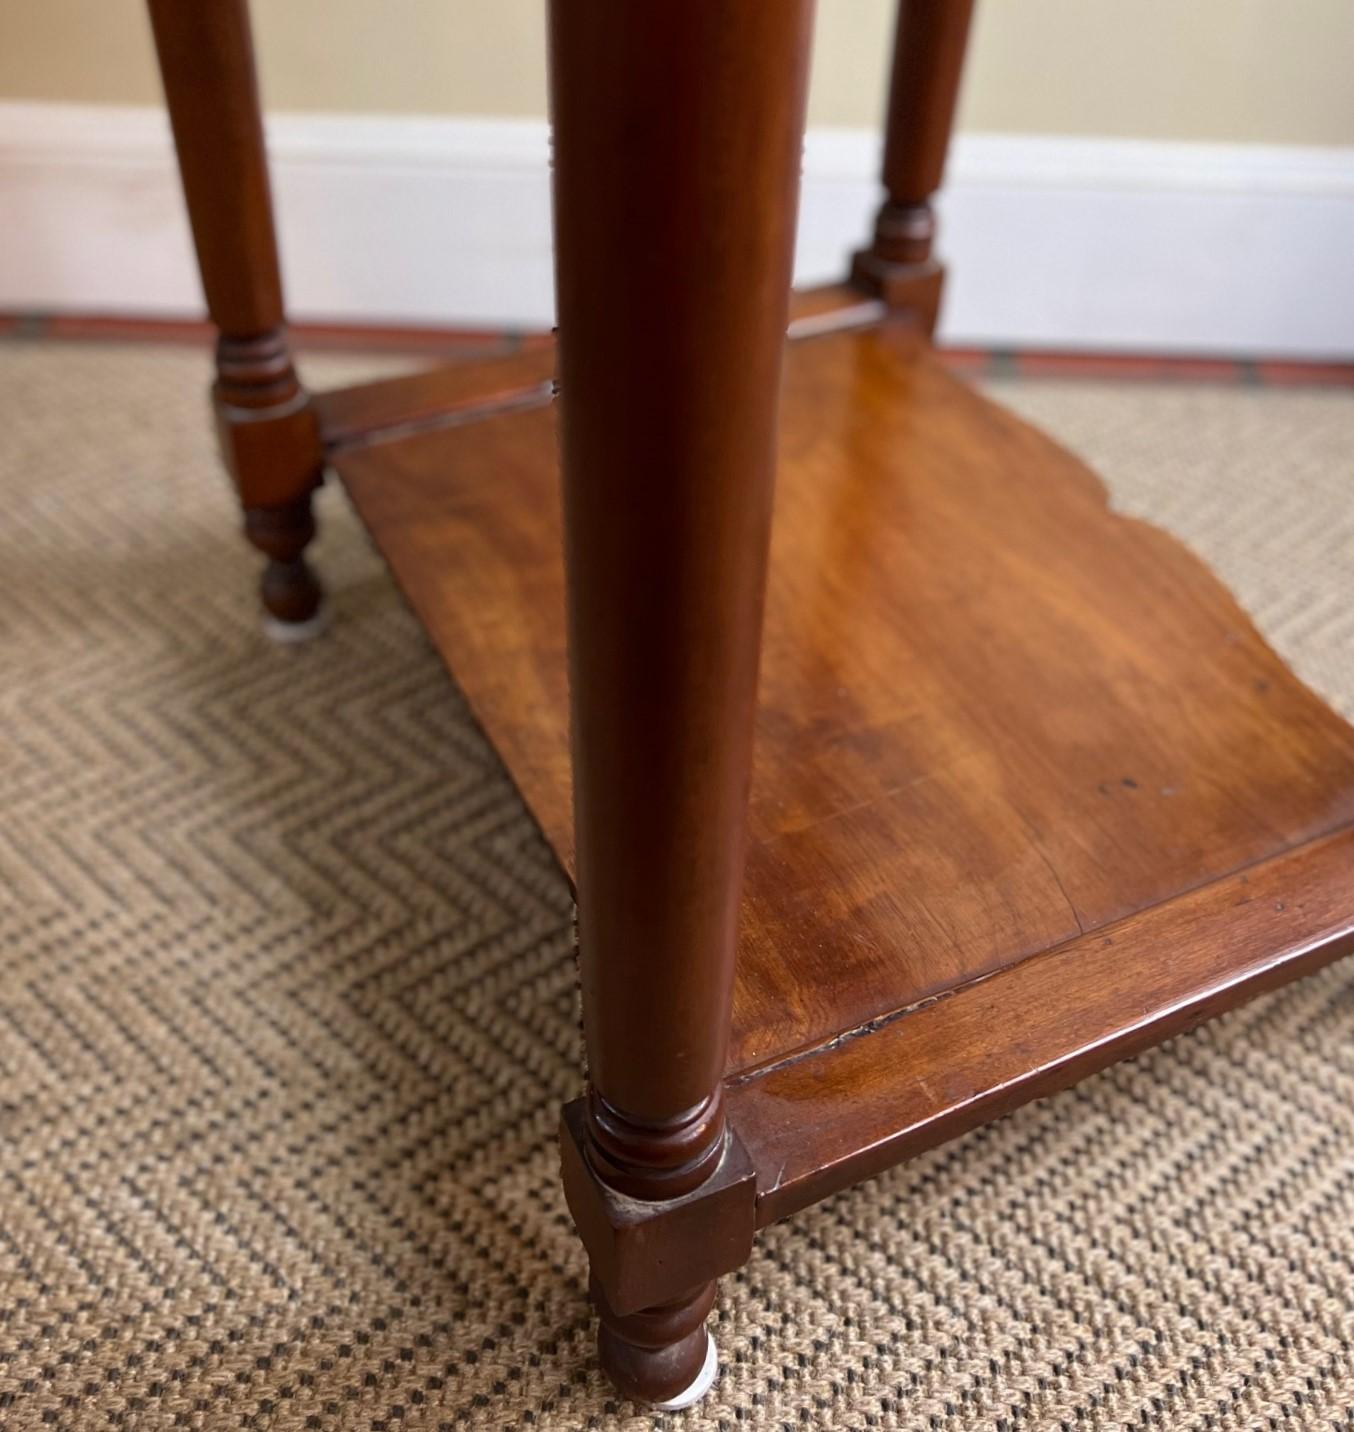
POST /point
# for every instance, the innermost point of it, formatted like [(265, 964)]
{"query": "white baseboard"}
[(1051, 242)]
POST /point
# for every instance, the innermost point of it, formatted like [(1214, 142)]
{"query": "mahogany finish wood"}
[(883, 1093), (655, 1354), (389, 408), (1029, 792), (648, 1253), (928, 59), (677, 132), (961, 640), (269, 436)]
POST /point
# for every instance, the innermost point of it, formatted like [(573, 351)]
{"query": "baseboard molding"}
[(1052, 242)]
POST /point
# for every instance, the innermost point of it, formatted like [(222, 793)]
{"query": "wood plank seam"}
[(876, 1023), (819, 312), (931, 1081), (522, 401)]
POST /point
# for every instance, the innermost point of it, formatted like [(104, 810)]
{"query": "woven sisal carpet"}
[(288, 1011)]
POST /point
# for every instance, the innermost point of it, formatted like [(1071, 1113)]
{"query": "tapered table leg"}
[(677, 139), (269, 436), (928, 60)]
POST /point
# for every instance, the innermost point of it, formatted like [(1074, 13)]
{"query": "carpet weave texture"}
[(287, 1010)]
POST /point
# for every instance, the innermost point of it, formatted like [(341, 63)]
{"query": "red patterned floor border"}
[(465, 342)]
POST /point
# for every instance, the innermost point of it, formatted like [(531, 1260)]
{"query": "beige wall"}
[(1272, 71)]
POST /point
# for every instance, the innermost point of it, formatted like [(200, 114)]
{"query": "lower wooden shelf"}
[(1030, 791)]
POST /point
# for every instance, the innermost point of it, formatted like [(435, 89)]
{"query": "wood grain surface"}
[(827, 1119), (994, 716)]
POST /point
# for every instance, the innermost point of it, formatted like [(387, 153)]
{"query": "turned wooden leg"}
[(677, 136), (269, 436), (288, 588), (662, 1355), (928, 60)]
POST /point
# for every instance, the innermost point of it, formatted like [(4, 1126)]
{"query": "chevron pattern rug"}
[(288, 1011)]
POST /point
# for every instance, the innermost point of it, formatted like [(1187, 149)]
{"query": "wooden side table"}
[(1028, 791)]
